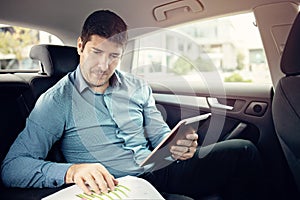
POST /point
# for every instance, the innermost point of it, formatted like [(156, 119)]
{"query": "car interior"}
[(266, 114)]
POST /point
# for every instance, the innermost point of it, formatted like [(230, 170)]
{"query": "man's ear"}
[(79, 46)]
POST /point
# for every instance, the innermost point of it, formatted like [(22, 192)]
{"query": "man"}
[(104, 119)]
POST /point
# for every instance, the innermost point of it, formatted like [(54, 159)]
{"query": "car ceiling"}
[(64, 18)]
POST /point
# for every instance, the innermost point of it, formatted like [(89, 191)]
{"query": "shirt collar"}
[(82, 85)]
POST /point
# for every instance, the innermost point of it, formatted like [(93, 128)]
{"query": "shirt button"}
[(55, 183)]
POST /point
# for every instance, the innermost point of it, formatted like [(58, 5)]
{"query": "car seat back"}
[(286, 102)]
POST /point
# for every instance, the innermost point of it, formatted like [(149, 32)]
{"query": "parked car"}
[(199, 56)]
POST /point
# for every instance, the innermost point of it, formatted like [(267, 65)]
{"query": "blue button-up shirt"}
[(112, 128)]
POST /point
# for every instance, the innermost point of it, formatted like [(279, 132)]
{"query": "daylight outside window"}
[(230, 45), (15, 45)]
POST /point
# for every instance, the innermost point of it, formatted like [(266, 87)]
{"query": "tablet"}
[(161, 155)]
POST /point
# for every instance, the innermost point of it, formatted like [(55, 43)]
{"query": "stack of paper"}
[(129, 187)]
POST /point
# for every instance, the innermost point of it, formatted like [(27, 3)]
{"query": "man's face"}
[(98, 61)]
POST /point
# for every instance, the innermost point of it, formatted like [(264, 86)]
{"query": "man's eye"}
[(114, 56)]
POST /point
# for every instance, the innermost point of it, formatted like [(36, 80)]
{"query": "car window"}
[(230, 46), (15, 45)]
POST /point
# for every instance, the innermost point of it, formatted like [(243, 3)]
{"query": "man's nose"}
[(103, 62)]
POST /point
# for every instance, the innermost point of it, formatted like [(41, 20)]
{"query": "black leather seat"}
[(56, 61), (286, 102)]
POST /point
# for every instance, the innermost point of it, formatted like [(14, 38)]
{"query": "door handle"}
[(214, 103), (191, 5)]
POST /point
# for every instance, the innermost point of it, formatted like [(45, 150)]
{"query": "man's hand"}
[(185, 148), (94, 175)]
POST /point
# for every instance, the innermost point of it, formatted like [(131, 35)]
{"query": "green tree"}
[(204, 64), (15, 41), (182, 66), (235, 77)]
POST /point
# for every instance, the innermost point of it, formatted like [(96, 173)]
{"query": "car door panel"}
[(250, 118)]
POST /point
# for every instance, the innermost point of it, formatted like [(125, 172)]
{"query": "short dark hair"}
[(105, 24)]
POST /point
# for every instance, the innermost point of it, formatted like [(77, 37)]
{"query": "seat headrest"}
[(56, 60), (290, 60)]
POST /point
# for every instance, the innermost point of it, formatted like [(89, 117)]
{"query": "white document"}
[(129, 187)]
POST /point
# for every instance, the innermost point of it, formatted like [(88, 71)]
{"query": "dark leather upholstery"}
[(290, 60), (56, 60), (286, 102), (12, 106)]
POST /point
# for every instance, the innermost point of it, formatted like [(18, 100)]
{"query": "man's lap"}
[(212, 169)]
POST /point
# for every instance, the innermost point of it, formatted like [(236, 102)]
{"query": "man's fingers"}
[(187, 143), (194, 143), (116, 182), (185, 148), (181, 157), (104, 180), (182, 152), (91, 177), (101, 184), (190, 140), (107, 178), (180, 149), (192, 136), (81, 183), (110, 181)]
